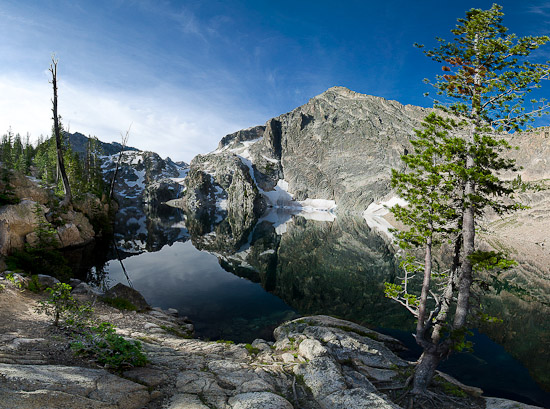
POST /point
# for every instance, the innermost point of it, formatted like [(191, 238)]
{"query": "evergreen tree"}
[(453, 174)]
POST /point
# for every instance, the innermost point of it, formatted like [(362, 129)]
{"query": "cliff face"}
[(19, 221), (144, 177), (339, 147)]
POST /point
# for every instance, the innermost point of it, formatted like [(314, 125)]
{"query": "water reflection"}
[(238, 282)]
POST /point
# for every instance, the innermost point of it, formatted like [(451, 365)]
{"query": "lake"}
[(238, 283)]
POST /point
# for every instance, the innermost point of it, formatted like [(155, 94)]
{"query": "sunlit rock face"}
[(340, 147), (144, 177), (144, 181)]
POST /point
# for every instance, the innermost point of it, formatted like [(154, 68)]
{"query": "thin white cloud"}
[(543, 9), (175, 126)]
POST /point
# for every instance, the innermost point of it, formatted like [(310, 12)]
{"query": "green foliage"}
[(518, 185), (14, 154), (223, 341), (252, 350), (453, 176), (459, 340), (45, 232), (11, 278), (110, 349), (59, 303), (178, 333), (487, 74), (33, 285), (120, 303), (99, 341), (451, 389), (40, 261), (7, 194), (84, 173)]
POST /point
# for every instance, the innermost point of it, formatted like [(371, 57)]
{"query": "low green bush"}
[(108, 348), (119, 303), (99, 341)]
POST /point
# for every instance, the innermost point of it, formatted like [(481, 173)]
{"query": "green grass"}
[(223, 341), (176, 332), (252, 350), (119, 303)]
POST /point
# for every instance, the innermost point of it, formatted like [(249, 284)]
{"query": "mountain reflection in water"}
[(238, 283)]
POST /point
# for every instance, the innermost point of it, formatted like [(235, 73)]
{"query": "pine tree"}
[(453, 174)]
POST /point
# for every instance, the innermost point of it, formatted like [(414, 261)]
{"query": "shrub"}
[(59, 303), (33, 285), (99, 341), (110, 349), (120, 303)]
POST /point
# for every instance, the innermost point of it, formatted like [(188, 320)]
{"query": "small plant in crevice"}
[(15, 281), (108, 348), (99, 341), (176, 332), (33, 285), (252, 350), (59, 304), (119, 303)]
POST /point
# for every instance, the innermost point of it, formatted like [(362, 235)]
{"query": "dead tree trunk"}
[(117, 166), (60, 162)]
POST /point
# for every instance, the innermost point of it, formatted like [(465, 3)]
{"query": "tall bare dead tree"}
[(60, 162), (124, 142)]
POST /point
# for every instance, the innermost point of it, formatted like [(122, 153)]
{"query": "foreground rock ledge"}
[(315, 362)]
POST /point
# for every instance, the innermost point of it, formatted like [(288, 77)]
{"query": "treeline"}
[(40, 161)]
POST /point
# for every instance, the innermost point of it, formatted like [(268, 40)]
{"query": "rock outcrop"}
[(18, 222), (220, 186), (316, 362), (340, 147), (144, 177)]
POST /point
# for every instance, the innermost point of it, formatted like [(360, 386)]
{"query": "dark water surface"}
[(239, 282)]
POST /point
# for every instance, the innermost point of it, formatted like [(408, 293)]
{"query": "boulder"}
[(254, 400), (16, 222), (46, 281), (84, 288), (55, 386), (123, 291), (69, 235)]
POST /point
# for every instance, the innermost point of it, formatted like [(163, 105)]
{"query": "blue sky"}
[(185, 73)]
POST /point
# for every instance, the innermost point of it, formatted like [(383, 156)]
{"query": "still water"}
[(238, 283)]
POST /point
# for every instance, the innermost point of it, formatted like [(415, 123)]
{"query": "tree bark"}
[(425, 369), (60, 162), (421, 323)]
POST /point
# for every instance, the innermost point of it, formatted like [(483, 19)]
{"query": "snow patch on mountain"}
[(375, 212)]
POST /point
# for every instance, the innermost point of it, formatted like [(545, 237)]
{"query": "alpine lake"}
[(239, 282)]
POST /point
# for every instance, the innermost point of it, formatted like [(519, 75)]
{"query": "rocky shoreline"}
[(315, 362)]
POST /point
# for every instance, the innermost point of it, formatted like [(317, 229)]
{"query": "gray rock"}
[(123, 291), (255, 400), (16, 222), (172, 311), (144, 177), (73, 384), (146, 376), (84, 288), (46, 281), (357, 399), (186, 401), (311, 349), (498, 403), (339, 146), (322, 376)]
